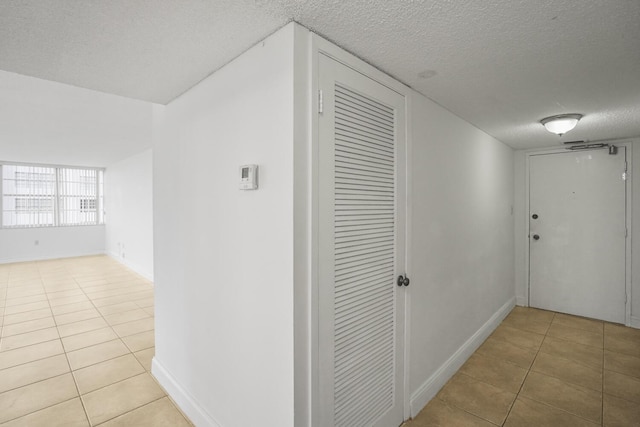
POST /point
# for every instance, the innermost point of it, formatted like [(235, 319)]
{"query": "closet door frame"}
[(319, 46)]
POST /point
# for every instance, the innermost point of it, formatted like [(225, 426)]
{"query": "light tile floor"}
[(76, 342), (541, 368)]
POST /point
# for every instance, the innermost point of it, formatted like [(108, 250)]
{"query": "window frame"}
[(100, 213)]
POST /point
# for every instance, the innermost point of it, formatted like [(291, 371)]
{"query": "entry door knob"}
[(536, 237)]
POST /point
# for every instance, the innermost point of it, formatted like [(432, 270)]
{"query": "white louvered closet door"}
[(361, 236)]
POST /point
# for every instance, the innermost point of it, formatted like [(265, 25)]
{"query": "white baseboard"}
[(49, 257), (136, 268), (521, 301), (635, 322), (435, 382), (187, 403)]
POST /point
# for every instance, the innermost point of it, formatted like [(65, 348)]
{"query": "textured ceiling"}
[(500, 64)]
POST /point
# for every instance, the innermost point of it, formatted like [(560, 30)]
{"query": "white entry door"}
[(361, 249), (577, 223)]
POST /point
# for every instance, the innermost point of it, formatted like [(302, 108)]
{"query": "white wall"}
[(224, 257), (461, 243), (52, 242), (522, 224), (129, 212)]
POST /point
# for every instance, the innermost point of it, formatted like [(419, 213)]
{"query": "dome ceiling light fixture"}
[(561, 123)]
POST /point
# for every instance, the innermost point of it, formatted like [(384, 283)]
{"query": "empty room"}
[(319, 213)]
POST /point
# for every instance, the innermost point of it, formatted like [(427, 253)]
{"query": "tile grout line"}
[(560, 379), (44, 291), (178, 408), (129, 411), (528, 371), (464, 410), (118, 337), (563, 358), (105, 320), (555, 338), (133, 354), (89, 299), (65, 352), (119, 381), (56, 287), (484, 382), (41, 409)]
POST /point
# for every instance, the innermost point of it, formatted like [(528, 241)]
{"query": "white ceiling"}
[(500, 64)]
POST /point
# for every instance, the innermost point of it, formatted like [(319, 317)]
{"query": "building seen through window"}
[(45, 196)]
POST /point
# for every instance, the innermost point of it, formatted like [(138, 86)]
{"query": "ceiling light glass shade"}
[(561, 123)]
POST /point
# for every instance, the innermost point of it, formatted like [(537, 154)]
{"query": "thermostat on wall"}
[(249, 177)]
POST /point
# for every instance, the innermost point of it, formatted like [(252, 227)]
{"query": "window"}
[(45, 196), (29, 204), (77, 195)]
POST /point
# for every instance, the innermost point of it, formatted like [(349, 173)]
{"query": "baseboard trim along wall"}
[(521, 301), (187, 403), (132, 266), (50, 257), (635, 322), (435, 382)]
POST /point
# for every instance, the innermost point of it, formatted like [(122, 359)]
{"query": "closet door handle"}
[(403, 280)]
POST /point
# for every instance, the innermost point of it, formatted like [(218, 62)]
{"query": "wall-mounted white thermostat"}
[(249, 177)]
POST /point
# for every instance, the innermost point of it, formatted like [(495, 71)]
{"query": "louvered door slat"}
[(365, 247), (353, 114), (364, 240), (352, 139), (370, 275), (362, 162), (354, 419), (353, 236), (363, 220), (364, 103), (352, 298), (361, 318), (354, 271), (364, 304), (356, 382), (353, 100), (350, 123), (351, 174), (364, 340)]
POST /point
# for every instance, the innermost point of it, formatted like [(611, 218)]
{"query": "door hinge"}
[(626, 232), (625, 165), (320, 102)]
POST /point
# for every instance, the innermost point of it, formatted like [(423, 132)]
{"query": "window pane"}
[(77, 195), (28, 196)]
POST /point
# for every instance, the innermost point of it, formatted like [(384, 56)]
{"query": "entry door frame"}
[(320, 46), (628, 216)]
